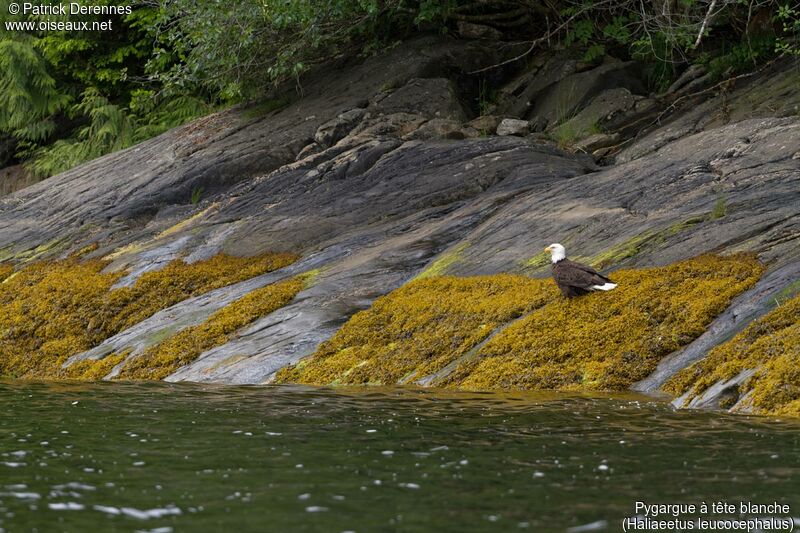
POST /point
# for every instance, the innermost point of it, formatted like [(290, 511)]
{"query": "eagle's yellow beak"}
[(547, 249)]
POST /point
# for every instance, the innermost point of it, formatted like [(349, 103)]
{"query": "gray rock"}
[(485, 123), (309, 150), (469, 30), (429, 97), (14, 178), (562, 100), (597, 141), (469, 132), (630, 122), (335, 129), (395, 124), (513, 126), (518, 96), (437, 128), (214, 153), (719, 394), (393, 207), (689, 75), (600, 110), (772, 93), (373, 210), (603, 210)]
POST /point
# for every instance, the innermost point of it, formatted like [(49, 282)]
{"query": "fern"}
[(29, 97), (112, 127)]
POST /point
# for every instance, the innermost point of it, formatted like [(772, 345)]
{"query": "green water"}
[(160, 457)]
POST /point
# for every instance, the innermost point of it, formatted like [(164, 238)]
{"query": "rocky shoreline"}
[(407, 164)]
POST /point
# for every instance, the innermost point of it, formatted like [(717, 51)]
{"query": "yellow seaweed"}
[(163, 359), (50, 311), (608, 341), (603, 341), (771, 347), (420, 328)]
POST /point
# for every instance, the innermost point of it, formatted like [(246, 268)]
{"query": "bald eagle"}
[(574, 278)]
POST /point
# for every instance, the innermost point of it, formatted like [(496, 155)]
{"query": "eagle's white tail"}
[(604, 287)]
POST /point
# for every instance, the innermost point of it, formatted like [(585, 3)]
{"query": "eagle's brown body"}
[(575, 279)]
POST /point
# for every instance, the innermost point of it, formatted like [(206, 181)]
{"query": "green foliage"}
[(666, 35), (720, 209), (742, 57), (236, 49), (581, 32), (618, 30), (197, 194), (487, 96), (434, 11), (111, 127), (789, 18), (70, 96), (29, 98), (565, 135)]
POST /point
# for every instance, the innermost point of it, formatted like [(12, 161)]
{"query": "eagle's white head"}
[(557, 252)]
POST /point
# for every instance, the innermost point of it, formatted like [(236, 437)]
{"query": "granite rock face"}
[(377, 172)]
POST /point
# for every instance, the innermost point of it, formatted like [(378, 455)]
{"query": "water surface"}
[(170, 457)]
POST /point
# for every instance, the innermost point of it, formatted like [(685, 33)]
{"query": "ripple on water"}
[(66, 506), (183, 456), (21, 495)]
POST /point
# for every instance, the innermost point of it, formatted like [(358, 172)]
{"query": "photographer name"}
[(73, 8)]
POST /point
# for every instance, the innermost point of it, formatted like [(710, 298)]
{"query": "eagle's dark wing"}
[(575, 279), (589, 270)]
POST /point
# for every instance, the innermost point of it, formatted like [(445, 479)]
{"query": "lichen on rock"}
[(769, 346)]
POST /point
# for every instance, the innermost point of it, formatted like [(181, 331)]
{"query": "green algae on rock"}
[(770, 347), (419, 328), (604, 341), (161, 360), (50, 311), (441, 265)]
